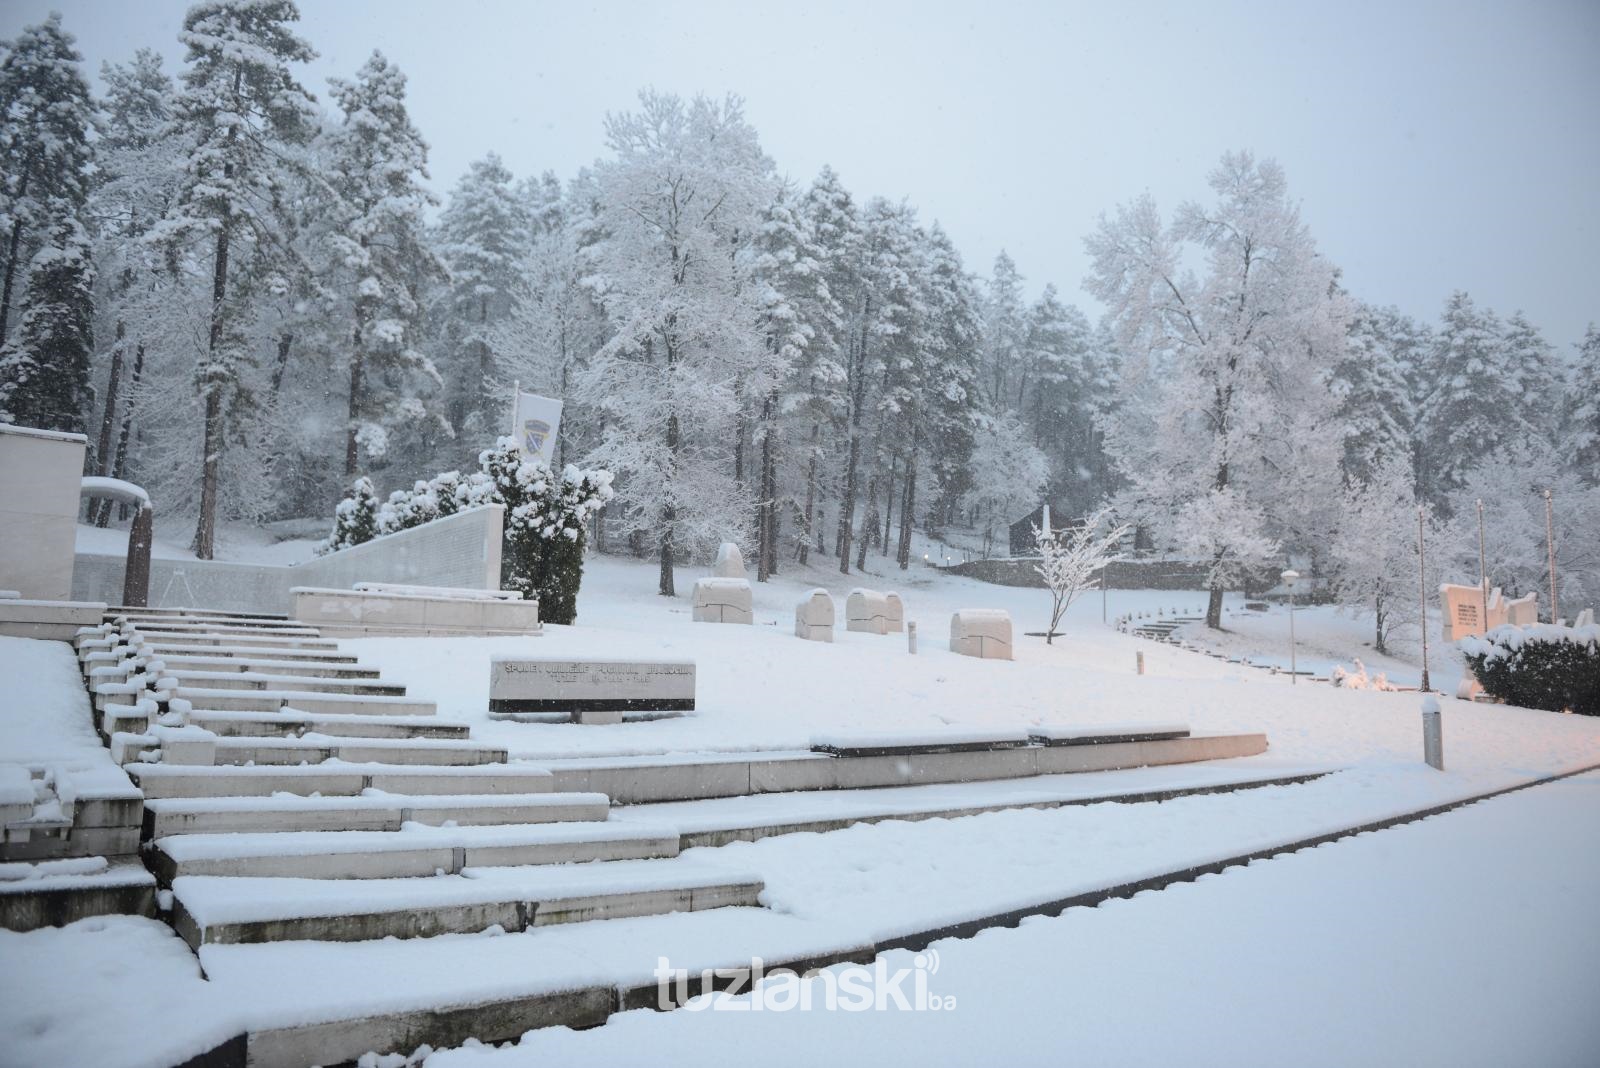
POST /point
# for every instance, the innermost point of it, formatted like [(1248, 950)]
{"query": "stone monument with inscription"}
[(590, 691)]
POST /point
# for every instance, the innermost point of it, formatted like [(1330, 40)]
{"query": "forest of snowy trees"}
[(248, 297)]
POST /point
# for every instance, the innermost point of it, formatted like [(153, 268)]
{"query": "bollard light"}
[(1289, 578)]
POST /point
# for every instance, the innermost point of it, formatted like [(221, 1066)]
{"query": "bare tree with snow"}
[(1070, 559)]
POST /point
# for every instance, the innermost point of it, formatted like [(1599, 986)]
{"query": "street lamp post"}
[(1289, 578)]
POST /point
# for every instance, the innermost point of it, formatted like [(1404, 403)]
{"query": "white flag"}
[(535, 421)]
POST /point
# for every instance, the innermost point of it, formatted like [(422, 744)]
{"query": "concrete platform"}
[(314, 749), (334, 779), (164, 817), (303, 701), (303, 668), (287, 723), (325, 652), (684, 777), (401, 854), (214, 910), (257, 680)]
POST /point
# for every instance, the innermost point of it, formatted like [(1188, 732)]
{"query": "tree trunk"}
[(806, 523), (285, 343), (1214, 607), (847, 504), (908, 504), (358, 360), (13, 251), (669, 513), (888, 507), (119, 467), (108, 424), (764, 496), (205, 534), (869, 523)]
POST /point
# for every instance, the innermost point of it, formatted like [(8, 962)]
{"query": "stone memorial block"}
[(1463, 610), (1585, 618), (1521, 612), (866, 611), (894, 613), (729, 562), (722, 600), (591, 691), (981, 632), (813, 617)]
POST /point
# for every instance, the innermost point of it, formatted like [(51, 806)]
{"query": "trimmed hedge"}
[(1539, 666)]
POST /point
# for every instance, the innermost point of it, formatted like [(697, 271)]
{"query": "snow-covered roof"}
[(35, 432), (115, 488)]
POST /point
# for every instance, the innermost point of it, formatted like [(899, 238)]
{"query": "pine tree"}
[(1005, 332), (239, 110), (45, 155), (482, 237), (357, 518), (1583, 409), (44, 371), (377, 163), (1477, 409), (1370, 390)]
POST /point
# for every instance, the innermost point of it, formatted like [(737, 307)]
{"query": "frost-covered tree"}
[(1005, 352), (1583, 409), (675, 201), (1069, 560), (1225, 363), (1371, 392), (377, 162), (45, 154), (44, 369), (482, 237), (1008, 475), (1478, 408), (238, 112), (1374, 549)]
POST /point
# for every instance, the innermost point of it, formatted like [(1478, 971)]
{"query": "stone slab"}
[(517, 684)]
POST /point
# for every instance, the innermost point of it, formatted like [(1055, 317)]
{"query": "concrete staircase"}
[(277, 771)]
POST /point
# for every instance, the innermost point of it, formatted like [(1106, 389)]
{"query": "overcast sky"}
[(1433, 145)]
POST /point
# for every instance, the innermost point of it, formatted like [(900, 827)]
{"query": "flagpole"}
[(516, 395)]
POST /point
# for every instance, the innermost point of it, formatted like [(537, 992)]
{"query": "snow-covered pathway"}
[(1464, 939)]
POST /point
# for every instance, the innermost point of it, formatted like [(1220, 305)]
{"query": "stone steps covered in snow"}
[(183, 628), (324, 652), (218, 910), (304, 668), (53, 893), (316, 748), (304, 701), (254, 644), (413, 852), (199, 614), (370, 811), (255, 680), (287, 723), (337, 779)]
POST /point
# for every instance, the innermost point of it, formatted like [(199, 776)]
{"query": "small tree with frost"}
[(1070, 558)]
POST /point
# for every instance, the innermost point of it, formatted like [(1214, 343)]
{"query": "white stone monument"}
[(40, 479), (894, 613), (813, 617), (729, 562), (981, 632), (722, 600), (591, 691), (866, 611)]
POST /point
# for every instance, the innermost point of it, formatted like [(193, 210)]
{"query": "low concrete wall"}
[(1123, 575), (459, 550)]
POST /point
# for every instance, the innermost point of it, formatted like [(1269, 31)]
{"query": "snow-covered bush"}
[(545, 531), (1359, 679), (1539, 666), (355, 520)]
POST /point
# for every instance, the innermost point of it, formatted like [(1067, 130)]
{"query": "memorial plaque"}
[(576, 686)]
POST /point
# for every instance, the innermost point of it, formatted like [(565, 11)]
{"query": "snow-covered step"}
[(370, 811), (255, 680), (219, 629), (213, 910), (248, 642), (114, 611), (1107, 735), (415, 851), (304, 701), (286, 723), (316, 748), (334, 778), (149, 624), (305, 668), (323, 652)]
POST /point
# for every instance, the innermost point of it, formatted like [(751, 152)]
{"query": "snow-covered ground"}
[(1465, 939), (288, 543)]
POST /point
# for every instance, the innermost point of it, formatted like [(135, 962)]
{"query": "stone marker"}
[(894, 613), (1585, 618), (981, 632), (722, 600), (813, 617), (1521, 612), (729, 562), (866, 611), (592, 691)]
